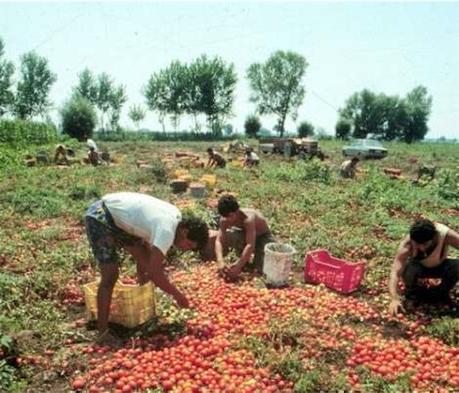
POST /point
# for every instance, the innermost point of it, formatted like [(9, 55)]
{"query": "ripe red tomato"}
[(78, 383)]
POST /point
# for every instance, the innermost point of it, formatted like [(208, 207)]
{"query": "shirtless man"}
[(234, 239), (60, 155), (249, 233), (424, 254), (215, 159), (348, 168)]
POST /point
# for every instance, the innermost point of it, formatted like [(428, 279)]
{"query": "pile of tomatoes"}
[(428, 361), (207, 357)]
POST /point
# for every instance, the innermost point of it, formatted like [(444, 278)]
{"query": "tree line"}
[(387, 117), (204, 91)]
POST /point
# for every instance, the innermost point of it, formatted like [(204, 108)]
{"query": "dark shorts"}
[(235, 239), (105, 238), (447, 271)]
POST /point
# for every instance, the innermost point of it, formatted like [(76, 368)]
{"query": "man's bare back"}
[(261, 225)]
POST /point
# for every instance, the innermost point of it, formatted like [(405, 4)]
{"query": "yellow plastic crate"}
[(131, 305), (237, 164), (185, 204), (181, 172), (209, 180), (186, 178), (118, 158)]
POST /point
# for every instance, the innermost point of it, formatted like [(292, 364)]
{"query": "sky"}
[(387, 47)]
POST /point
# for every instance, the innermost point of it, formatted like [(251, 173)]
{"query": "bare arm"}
[(452, 239), (211, 163), (153, 266), (398, 265), (219, 243), (250, 239)]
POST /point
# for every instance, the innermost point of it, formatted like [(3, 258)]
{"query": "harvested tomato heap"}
[(208, 359), (189, 364), (428, 361)]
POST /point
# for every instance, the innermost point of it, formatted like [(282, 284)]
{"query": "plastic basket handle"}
[(327, 264)]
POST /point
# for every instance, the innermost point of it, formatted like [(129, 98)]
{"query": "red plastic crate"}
[(322, 268)]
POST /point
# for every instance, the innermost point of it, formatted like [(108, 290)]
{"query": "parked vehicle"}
[(365, 148), (303, 147)]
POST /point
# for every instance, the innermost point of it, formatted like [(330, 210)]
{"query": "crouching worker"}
[(244, 230), (93, 157), (215, 159), (349, 168), (423, 254), (146, 227), (251, 158), (60, 154)]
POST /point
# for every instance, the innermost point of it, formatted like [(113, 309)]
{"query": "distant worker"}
[(91, 144), (105, 157), (60, 154), (251, 158), (349, 168), (215, 159), (237, 146), (427, 171), (93, 157), (30, 160)]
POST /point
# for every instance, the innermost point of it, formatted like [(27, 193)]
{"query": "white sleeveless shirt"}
[(153, 220)]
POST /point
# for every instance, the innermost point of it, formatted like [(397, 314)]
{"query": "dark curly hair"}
[(227, 204), (422, 231), (198, 230)]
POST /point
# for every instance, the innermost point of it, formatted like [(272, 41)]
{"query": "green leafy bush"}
[(318, 171), (40, 203), (83, 192), (9, 157), (78, 118), (10, 293), (159, 171), (252, 125), (26, 132), (118, 136), (446, 329), (314, 171), (7, 376), (343, 128), (305, 129), (448, 184)]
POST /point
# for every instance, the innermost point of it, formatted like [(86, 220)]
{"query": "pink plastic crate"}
[(337, 274)]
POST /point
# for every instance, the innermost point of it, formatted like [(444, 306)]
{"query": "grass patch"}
[(446, 329)]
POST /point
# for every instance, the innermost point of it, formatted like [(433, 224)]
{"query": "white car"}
[(365, 148)]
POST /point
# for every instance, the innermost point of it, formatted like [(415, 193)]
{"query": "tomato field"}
[(242, 336)]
